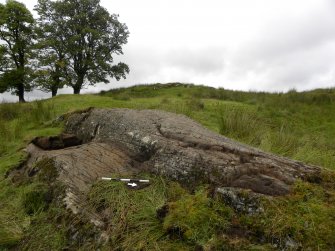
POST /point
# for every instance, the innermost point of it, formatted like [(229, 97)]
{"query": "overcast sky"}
[(271, 45)]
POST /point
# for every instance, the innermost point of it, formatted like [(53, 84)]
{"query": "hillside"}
[(297, 125)]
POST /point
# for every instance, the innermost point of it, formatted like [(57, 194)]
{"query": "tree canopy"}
[(83, 37), (16, 34), (51, 48), (72, 42)]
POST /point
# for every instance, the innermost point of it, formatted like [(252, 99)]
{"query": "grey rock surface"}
[(240, 200), (181, 149)]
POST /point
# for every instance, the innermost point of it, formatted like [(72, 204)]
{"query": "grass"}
[(303, 216), (296, 125), (197, 218), (132, 214)]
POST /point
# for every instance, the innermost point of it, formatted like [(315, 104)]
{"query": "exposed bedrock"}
[(177, 147)]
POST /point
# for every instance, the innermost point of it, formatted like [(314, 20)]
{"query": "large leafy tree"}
[(90, 36), (51, 48), (16, 35)]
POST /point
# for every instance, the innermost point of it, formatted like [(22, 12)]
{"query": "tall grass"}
[(36, 111), (42, 111), (129, 210), (241, 123), (10, 111), (16, 120)]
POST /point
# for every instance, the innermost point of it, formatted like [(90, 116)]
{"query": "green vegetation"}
[(76, 42), (197, 218), (304, 214), (71, 43), (35, 200), (296, 125), (16, 36)]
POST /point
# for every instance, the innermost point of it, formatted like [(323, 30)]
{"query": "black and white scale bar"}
[(126, 180)]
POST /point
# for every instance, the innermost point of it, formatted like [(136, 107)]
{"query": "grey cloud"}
[(292, 35), (290, 54), (150, 65), (201, 61)]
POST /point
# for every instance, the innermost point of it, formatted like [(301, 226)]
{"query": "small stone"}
[(236, 198), (290, 243)]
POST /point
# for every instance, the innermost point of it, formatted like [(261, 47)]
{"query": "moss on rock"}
[(304, 219), (196, 218), (44, 170)]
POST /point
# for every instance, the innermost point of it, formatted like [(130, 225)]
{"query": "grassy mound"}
[(296, 125)]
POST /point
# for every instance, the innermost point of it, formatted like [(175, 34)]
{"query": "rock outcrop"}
[(124, 142), (179, 148)]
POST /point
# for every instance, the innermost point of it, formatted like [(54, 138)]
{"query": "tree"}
[(51, 47), (90, 35), (16, 35), (3, 62)]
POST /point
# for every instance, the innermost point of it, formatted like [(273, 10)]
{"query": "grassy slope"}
[(296, 125)]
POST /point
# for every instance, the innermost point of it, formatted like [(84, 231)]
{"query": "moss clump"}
[(229, 243), (36, 199), (306, 216), (175, 191), (196, 218), (327, 178), (49, 229)]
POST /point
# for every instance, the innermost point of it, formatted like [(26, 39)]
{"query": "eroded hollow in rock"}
[(57, 142)]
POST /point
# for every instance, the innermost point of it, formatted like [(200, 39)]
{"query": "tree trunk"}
[(21, 92), (56, 81), (54, 90), (79, 84), (22, 75), (76, 90)]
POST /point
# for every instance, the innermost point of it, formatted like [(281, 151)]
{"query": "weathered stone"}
[(240, 200), (177, 147), (124, 142), (80, 166)]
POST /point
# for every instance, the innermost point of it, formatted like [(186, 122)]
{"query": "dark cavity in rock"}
[(57, 142)]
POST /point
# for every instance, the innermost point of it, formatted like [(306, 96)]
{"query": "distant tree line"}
[(70, 43)]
